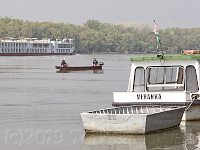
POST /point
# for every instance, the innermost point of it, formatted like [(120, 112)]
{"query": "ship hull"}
[(33, 54)]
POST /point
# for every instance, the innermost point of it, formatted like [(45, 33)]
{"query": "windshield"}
[(164, 78)]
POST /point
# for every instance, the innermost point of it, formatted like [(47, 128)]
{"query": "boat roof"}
[(172, 57)]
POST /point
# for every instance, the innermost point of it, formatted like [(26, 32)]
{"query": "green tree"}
[(93, 24), (95, 36)]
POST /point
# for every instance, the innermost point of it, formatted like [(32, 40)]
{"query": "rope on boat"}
[(193, 98)]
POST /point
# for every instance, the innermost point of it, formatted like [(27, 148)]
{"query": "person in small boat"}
[(63, 63), (95, 62)]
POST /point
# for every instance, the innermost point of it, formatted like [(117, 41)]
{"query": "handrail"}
[(164, 85)]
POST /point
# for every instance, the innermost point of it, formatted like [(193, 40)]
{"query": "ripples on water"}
[(40, 106)]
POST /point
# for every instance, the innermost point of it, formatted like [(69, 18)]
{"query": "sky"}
[(167, 13)]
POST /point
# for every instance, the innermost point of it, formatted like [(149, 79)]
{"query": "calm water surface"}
[(40, 106)]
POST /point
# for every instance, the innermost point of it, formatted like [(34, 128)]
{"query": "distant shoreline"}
[(125, 53)]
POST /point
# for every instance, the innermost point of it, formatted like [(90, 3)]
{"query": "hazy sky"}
[(167, 13)]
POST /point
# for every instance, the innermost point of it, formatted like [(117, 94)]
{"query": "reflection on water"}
[(172, 139), (191, 131), (98, 71), (105, 141), (184, 137)]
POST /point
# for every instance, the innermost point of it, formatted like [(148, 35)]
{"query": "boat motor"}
[(101, 63)]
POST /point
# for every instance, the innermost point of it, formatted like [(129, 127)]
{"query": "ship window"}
[(64, 45), (45, 45), (138, 85), (191, 79), (165, 78)]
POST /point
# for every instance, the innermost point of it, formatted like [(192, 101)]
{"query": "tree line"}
[(97, 37)]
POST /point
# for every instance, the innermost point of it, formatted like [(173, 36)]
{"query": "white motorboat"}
[(164, 80)]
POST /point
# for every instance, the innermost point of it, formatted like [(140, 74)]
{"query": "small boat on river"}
[(132, 119), (99, 67)]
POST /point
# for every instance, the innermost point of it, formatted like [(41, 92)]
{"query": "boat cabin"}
[(172, 73), (162, 80)]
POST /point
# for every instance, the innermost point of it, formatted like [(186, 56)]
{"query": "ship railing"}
[(143, 109)]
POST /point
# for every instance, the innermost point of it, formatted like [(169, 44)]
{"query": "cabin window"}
[(191, 79), (63, 45), (164, 78), (139, 84), (45, 45)]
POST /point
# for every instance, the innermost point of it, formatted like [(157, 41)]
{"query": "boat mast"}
[(158, 37)]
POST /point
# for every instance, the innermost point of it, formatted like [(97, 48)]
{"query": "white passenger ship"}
[(164, 80), (35, 47)]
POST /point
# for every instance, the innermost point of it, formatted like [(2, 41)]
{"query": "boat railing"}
[(164, 85), (132, 110)]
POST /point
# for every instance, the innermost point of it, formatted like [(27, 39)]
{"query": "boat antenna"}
[(158, 39)]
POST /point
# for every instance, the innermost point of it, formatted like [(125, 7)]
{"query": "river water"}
[(40, 106)]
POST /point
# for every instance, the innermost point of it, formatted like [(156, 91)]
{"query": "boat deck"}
[(135, 109)]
